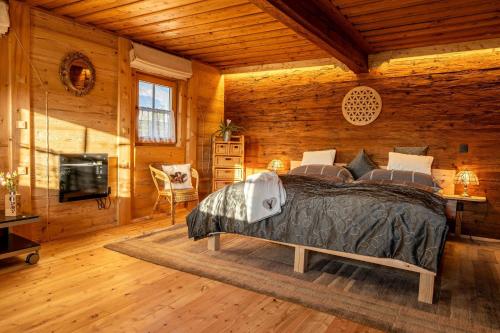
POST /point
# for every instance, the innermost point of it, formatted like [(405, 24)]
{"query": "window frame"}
[(160, 81)]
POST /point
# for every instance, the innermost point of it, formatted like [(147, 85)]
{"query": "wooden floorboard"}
[(79, 286)]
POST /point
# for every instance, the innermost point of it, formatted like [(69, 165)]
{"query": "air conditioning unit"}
[(152, 61), (4, 18)]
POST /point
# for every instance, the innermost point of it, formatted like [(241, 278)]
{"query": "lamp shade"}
[(466, 177), (276, 165)]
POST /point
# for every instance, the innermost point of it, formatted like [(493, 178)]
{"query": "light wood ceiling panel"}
[(233, 33), (218, 32), (390, 25)]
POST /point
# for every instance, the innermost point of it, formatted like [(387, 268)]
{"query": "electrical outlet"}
[(21, 124), (22, 170)]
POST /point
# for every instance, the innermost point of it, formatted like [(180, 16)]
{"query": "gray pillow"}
[(412, 150), (361, 164), (333, 173), (399, 177)]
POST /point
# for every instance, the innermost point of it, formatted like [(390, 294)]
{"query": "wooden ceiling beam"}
[(324, 26)]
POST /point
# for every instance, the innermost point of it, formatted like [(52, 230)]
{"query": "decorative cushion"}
[(180, 176), (412, 150), (361, 164), (328, 172), (323, 157), (405, 178), (406, 162)]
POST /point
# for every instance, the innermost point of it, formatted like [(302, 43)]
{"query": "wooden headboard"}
[(445, 178)]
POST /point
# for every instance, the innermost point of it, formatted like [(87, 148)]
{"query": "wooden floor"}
[(78, 286)]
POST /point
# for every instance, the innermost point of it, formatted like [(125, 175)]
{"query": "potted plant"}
[(9, 180), (226, 129)]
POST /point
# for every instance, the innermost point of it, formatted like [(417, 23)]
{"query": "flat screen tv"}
[(83, 176)]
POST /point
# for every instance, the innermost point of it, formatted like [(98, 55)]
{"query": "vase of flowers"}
[(9, 180), (226, 129)]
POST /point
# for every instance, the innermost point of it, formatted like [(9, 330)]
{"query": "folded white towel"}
[(264, 196)]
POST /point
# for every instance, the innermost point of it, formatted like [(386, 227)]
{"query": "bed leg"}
[(426, 288), (301, 258), (214, 242)]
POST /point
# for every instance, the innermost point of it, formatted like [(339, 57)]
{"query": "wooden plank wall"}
[(100, 122), (75, 124), (4, 108), (438, 96), (209, 109), (123, 132)]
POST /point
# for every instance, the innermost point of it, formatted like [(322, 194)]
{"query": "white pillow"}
[(405, 162), (180, 176), (324, 157)]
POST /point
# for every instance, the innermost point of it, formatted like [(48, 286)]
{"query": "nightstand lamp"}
[(466, 178), (276, 166)]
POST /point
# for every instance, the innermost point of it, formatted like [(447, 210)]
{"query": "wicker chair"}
[(164, 188)]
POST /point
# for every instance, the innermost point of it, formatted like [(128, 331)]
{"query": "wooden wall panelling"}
[(191, 123), (20, 108), (76, 124), (4, 108), (439, 100), (98, 123), (124, 122), (208, 90)]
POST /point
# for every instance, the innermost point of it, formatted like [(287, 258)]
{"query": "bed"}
[(390, 225)]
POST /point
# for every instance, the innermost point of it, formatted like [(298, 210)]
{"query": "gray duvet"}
[(386, 221)]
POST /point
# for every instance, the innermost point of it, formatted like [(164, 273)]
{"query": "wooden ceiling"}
[(236, 33), (390, 25)]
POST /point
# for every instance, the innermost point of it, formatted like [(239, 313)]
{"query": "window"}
[(156, 111)]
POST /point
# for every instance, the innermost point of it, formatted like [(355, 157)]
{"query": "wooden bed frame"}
[(426, 283)]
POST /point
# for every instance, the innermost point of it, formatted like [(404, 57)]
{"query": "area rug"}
[(372, 295)]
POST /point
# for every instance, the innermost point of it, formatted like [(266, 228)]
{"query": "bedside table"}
[(456, 208)]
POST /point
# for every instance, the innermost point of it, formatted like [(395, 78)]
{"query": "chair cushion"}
[(180, 176)]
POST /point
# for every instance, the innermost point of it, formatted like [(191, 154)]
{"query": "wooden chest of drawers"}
[(228, 161)]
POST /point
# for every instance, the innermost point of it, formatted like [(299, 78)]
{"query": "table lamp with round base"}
[(466, 178), (276, 166)]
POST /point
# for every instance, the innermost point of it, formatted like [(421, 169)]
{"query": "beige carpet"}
[(380, 297)]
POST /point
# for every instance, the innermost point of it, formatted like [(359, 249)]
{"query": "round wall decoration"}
[(361, 105), (77, 73)]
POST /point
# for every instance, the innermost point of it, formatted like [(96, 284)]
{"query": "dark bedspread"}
[(386, 221)]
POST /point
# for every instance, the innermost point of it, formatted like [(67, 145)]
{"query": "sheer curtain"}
[(156, 125)]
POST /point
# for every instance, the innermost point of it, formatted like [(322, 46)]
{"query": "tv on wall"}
[(83, 176)]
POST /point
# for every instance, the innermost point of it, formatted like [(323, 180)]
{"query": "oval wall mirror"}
[(77, 73)]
